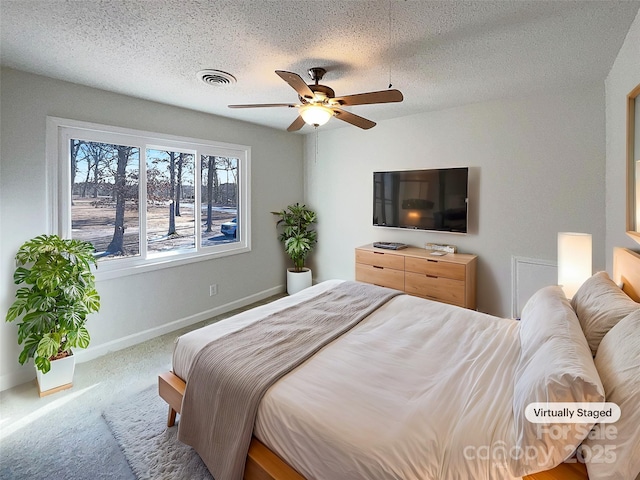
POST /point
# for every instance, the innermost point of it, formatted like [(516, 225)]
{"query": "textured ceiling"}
[(438, 53)]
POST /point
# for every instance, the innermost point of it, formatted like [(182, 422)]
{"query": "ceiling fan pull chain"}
[(390, 43)]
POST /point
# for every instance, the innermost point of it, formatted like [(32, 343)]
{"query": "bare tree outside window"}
[(170, 185), (104, 195), (116, 247)]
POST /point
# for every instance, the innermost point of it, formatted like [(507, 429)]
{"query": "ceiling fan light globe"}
[(315, 115)]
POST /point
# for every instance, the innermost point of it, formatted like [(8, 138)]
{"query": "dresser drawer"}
[(450, 278), (436, 288), (435, 268), (385, 277), (379, 259)]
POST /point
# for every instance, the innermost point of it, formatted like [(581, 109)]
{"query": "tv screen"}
[(433, 199)]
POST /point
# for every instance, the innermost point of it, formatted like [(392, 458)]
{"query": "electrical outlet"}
[(213, 290)]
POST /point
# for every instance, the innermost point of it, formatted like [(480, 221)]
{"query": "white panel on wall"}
[(528, 275)]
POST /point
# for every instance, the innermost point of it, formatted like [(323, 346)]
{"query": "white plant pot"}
[(60, 377), (297, 281)]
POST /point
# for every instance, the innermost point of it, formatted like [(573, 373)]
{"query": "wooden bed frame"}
[(263, 464)]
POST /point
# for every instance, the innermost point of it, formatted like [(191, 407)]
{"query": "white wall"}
[(537, 164), (623, 77), (139, 306)]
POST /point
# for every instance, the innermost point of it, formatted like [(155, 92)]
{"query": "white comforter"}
[(418, 390)]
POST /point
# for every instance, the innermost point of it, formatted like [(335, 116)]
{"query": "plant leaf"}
[(48, 346), (29, 349), (79, 338), (16, 309), (35, 323), (42, 302), (92, 300), (43, 364), (20, 275)]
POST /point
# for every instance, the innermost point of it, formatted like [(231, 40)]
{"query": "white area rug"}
[(138, 423)]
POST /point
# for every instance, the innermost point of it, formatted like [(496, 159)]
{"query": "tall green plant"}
[(59, 294), (296, 232)]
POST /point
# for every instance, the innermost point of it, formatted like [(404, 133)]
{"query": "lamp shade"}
[(574, 261), (315, 115)]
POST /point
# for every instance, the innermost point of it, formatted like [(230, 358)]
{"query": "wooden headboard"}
[(626, 270)]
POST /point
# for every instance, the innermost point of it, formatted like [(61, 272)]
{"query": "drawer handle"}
[(376, 266), (430, 276), (378, 253), (432, 261)]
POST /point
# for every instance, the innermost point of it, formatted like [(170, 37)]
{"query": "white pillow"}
[(618, 361), (600, 304), (555, 365), (546, 314)]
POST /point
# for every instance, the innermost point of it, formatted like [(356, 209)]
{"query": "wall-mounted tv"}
[(434, 199)]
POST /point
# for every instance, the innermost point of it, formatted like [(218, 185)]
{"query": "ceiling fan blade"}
[(353, 119), (383, 96), (297, 83), (297, 124), (259, 105)]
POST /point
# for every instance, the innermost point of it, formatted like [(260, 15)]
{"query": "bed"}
[(442, 397)]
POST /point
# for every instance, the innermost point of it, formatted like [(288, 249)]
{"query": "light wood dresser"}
[(449, 278)]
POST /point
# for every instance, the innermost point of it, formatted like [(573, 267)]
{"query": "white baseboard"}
[(25, 374)]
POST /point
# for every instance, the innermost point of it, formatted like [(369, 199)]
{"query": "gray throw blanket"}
[(231, 374)]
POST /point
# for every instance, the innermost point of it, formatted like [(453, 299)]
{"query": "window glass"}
[(170, 201), (219, 200), (136, 195), (104, 197)]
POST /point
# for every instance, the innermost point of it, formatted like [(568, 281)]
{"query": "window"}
[(147, 200)]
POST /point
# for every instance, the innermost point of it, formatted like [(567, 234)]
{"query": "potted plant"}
[(299, 239), (53, 305)]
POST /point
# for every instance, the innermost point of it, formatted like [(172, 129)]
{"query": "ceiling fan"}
[(318, 103)]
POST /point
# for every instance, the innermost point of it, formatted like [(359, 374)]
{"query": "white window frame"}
[(59, 133)]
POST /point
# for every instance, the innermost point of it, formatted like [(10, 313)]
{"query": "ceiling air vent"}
[(216, 77)]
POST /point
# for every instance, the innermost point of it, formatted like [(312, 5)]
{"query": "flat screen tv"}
[(434, 199)]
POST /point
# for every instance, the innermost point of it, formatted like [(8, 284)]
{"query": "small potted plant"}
[(299, 239), (58, 294)]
